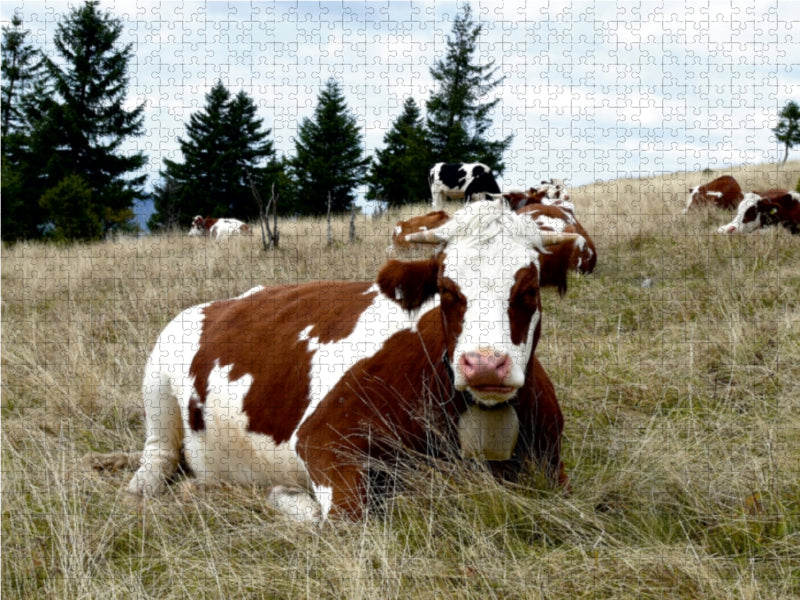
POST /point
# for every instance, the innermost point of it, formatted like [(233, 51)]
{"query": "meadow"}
[(677, 366)]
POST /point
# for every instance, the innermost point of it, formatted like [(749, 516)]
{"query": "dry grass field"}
[(681, 400)]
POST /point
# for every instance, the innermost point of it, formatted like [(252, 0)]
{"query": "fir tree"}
[(225, 144), (88, 120), (457, 121), (74, 123), (787, 131), (21, 188), (328, 156), (21, 69), (399, 172)]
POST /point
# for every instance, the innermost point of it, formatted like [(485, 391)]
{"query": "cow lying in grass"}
[(551, 192), (300, 386), (218, 229), (765, 209), (723, 192)]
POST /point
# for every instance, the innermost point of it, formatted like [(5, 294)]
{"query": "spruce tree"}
[(787, 131), (399, 172), (21, 183), (225, 144), (86, 123), (21, 69), (73, 124), (328, 156), (457, 120)]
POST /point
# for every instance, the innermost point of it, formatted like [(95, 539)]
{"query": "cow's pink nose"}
[(482, 369)]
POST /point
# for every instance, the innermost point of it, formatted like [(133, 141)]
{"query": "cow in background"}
[(218, 229), (579, 255), (420, 223), (470, 181), (765, 209), (723, 192), (553, 192)]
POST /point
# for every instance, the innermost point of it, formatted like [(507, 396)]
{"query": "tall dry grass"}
[(681, 399)]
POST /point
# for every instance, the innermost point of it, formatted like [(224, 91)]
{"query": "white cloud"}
[(590, 90)]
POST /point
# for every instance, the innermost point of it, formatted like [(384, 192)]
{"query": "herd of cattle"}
[(301, 388), (549, 206)]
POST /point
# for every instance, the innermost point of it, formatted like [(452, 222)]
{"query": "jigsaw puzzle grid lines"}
[(583, 102), (632, 81)]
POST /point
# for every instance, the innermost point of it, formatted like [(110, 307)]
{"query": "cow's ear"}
[(409, 283)]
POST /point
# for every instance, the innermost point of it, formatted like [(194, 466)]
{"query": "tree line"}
[(64, 120)]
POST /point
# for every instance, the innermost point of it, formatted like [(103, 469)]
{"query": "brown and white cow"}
[(723, 192), (552, 192), (432, 220), (764, 209), (299, 386), (469, 181), (218, 229), (579, 254)]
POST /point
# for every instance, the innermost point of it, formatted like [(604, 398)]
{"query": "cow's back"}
[(724, 192)]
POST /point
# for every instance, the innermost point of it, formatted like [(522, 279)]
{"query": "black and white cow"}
[(460, 180)]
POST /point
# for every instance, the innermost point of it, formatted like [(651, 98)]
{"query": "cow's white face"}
[(487, 278), (747, 218), (197, 227), (490, 305)]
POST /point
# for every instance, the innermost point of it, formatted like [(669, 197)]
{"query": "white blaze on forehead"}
[(485, 277), (488, 222)]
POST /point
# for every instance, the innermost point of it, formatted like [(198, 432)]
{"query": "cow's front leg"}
[(341, 491), (338, 475)]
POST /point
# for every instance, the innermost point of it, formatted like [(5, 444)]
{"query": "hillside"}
[(681, 401)]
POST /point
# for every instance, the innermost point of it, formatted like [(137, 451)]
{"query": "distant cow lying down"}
[(301, 386), (580, 254), (552, 191), (431, 220), (218, 229), (765, 209), (723, 192)]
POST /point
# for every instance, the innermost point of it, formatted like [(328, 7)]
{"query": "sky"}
[(591, 90)]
